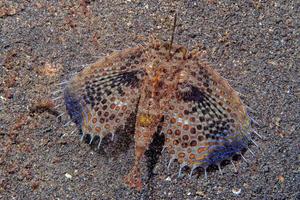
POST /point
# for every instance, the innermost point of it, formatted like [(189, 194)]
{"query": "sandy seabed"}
[(253, 44)]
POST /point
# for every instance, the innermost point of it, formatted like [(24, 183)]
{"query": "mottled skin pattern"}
[(201, 116)]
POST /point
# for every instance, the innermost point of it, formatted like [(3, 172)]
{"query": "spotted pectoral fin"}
[(203, 126), (111, 113), (102, 98)]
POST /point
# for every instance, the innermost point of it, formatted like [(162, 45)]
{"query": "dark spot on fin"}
[(73, 107), (226, 151), (194, 94)]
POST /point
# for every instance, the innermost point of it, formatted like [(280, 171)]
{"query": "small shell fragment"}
[(67, 175), (236, 191)]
